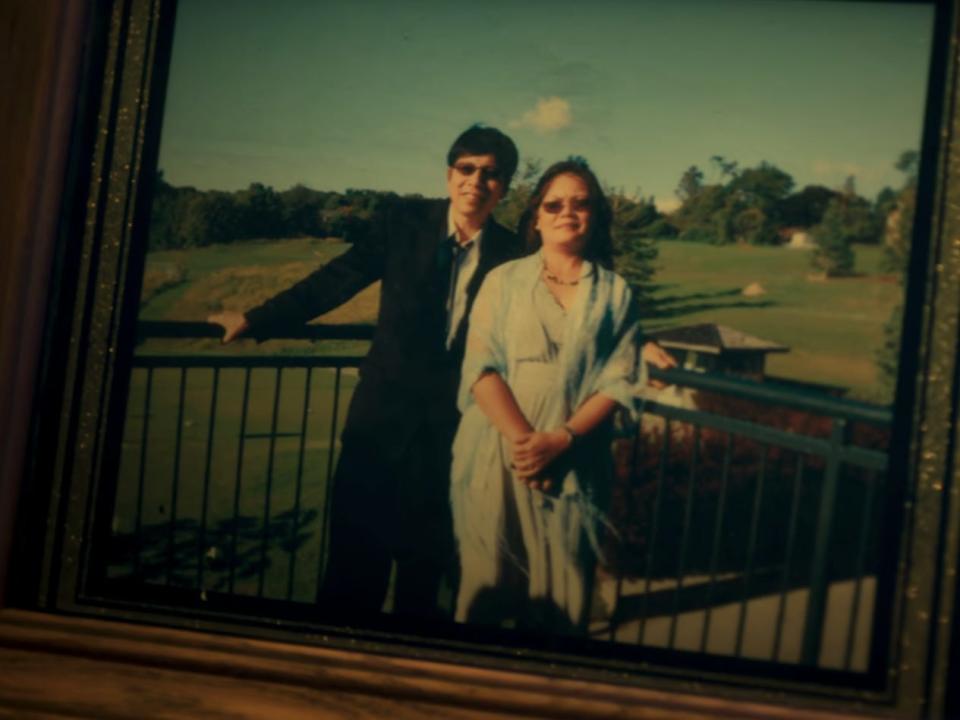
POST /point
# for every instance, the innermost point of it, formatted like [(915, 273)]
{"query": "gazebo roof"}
[(713, 338)]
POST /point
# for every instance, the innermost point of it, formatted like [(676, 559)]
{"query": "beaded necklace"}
[(559, 281)]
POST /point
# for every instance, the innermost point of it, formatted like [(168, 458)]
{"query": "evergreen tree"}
[(509, 210), (833, 255), (635, 249)]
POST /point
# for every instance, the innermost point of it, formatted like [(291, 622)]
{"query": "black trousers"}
[(391, 509)]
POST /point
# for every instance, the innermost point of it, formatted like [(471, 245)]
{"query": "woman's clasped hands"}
[(534, 451)]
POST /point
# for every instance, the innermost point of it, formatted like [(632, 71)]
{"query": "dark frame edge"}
[(51, 173), (929, 508)]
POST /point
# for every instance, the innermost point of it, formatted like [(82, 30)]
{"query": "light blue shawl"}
[(599, 354), (599, 350)]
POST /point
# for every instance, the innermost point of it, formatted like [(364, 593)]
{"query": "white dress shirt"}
[(462, 267)]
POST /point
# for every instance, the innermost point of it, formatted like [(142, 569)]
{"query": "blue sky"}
[(370, 93)]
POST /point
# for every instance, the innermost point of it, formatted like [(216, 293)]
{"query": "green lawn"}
[(235, 475), (239, 276), (202, 264), (833, 328)]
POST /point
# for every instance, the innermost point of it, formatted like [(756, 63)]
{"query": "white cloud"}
[(549, 115)]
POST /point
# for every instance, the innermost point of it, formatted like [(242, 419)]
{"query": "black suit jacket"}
[(409, 378)]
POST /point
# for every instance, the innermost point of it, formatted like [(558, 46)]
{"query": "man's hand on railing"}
[(658, 357), (233, 323)]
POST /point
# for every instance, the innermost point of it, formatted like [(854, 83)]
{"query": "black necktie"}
[(448, 266), (448, 255), (446, 252)]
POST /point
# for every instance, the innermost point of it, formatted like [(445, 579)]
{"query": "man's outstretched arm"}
[(321, 291)]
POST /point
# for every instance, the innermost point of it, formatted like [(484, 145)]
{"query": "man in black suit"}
[(391, 485)]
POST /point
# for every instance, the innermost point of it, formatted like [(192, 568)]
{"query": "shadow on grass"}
[(663, 313), (651, 288), (674, 306), (687, 297), (231, 550)]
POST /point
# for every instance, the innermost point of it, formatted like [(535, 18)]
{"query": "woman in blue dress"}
[(551, 352)]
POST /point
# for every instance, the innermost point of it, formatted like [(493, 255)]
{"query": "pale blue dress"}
[(522, 550)]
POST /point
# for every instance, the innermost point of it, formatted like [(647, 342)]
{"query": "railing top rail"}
[(192, 330), (223, 361), (772, 393), (769, 392)]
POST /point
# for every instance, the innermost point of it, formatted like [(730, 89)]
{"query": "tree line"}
[(756, 205), (752, 205), (185, 217), (760, 206)]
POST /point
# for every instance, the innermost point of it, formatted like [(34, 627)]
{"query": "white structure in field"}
[(801, 240), (709, 347), (713, 348)]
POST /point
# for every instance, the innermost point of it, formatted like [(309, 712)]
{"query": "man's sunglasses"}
[(486, 173)]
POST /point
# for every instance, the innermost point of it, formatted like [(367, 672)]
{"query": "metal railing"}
[(825, 457), (228, 458)]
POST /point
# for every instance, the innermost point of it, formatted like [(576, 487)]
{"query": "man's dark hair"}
[(599, 246), (482, 140)]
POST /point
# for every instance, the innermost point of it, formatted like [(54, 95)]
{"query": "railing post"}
[(817, 601)]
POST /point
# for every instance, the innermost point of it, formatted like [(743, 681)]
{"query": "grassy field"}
[(833, 328), (237, 277), (243, 479), (233, 277)]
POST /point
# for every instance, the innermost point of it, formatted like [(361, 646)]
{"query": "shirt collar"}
[(452, 230)]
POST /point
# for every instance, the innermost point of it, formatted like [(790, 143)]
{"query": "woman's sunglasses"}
[(555, 206)]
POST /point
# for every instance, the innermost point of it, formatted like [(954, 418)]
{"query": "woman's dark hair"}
[(482, 140), (599, 244)]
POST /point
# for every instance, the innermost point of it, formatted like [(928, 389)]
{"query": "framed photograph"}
[(763, 515)]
